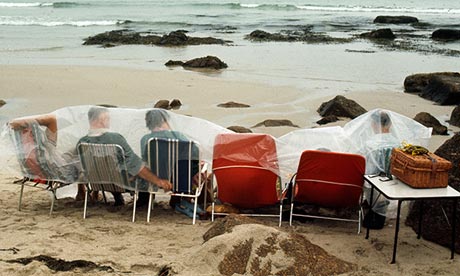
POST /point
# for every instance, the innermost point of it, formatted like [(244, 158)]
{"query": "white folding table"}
[(397, 190)]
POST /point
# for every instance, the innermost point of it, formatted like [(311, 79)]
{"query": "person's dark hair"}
[(155, 118), (95, 111), (381, 118)]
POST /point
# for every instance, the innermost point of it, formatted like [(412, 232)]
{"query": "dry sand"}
[(170, 242)]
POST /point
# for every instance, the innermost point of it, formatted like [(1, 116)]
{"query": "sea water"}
[(52, 32)]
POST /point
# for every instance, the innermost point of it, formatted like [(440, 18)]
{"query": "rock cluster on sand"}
[(341, 107), (384, 19), (242, 247), (428, 120), (455, 116), (303, 35), (211, 62), (275, 123), (165, 104), (379, 34), (435, 227), (128, 37), (442, 87)]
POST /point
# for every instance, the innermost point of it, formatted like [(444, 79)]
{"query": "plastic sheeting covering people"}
[(362, 135)]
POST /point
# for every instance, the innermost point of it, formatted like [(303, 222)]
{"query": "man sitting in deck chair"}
[(99, 121), (156, 121)]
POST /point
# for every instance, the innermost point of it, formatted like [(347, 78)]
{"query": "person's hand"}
[(165, 185)]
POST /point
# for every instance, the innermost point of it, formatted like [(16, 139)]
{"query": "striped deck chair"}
[(36, 163), (245, 168), (178, 161), (329, 179), (105, 169)]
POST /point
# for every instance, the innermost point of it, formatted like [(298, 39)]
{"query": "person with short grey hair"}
[(99, 121)]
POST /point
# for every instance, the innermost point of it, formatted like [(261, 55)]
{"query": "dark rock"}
[(174, 38), (175, 104), (435, 227), (2, 103), (455, 117), (446, 34), (341, 107), (275, 123), (395, 19), (233, 105), (417, 82), (122, 37), (444, 90), (428, 120), (206, 62), (239, 129), (327, 120), (174, 63), (379, 34), (164, 104), (303, 35)]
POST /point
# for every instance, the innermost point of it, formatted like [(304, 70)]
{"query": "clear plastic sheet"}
[(72, 124), (362, 135), (373, 135)]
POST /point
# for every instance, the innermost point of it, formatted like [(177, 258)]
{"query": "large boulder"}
[(275, 123), (455, 117), (428, 120), (446, 34), (2, 103), (341, 107), (444, 90), (233, 105), (379, 34), (205, 62), (240, 247), (417, 82), (386, 19), (435, 227)]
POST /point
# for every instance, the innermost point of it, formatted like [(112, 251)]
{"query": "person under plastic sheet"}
[(61, 166), (99, 121), (157, 122), (377, 151)]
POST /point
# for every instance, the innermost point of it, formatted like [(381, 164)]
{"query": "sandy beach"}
[(170, 243)]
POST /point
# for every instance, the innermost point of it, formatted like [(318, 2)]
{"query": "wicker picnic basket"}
[(420, 171)]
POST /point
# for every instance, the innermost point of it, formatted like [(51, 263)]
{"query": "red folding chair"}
[(245, 168), (329, 179)]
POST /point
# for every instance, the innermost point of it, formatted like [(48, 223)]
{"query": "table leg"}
[(454, 224), (420, 219), (370, 204), (396, 232)]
